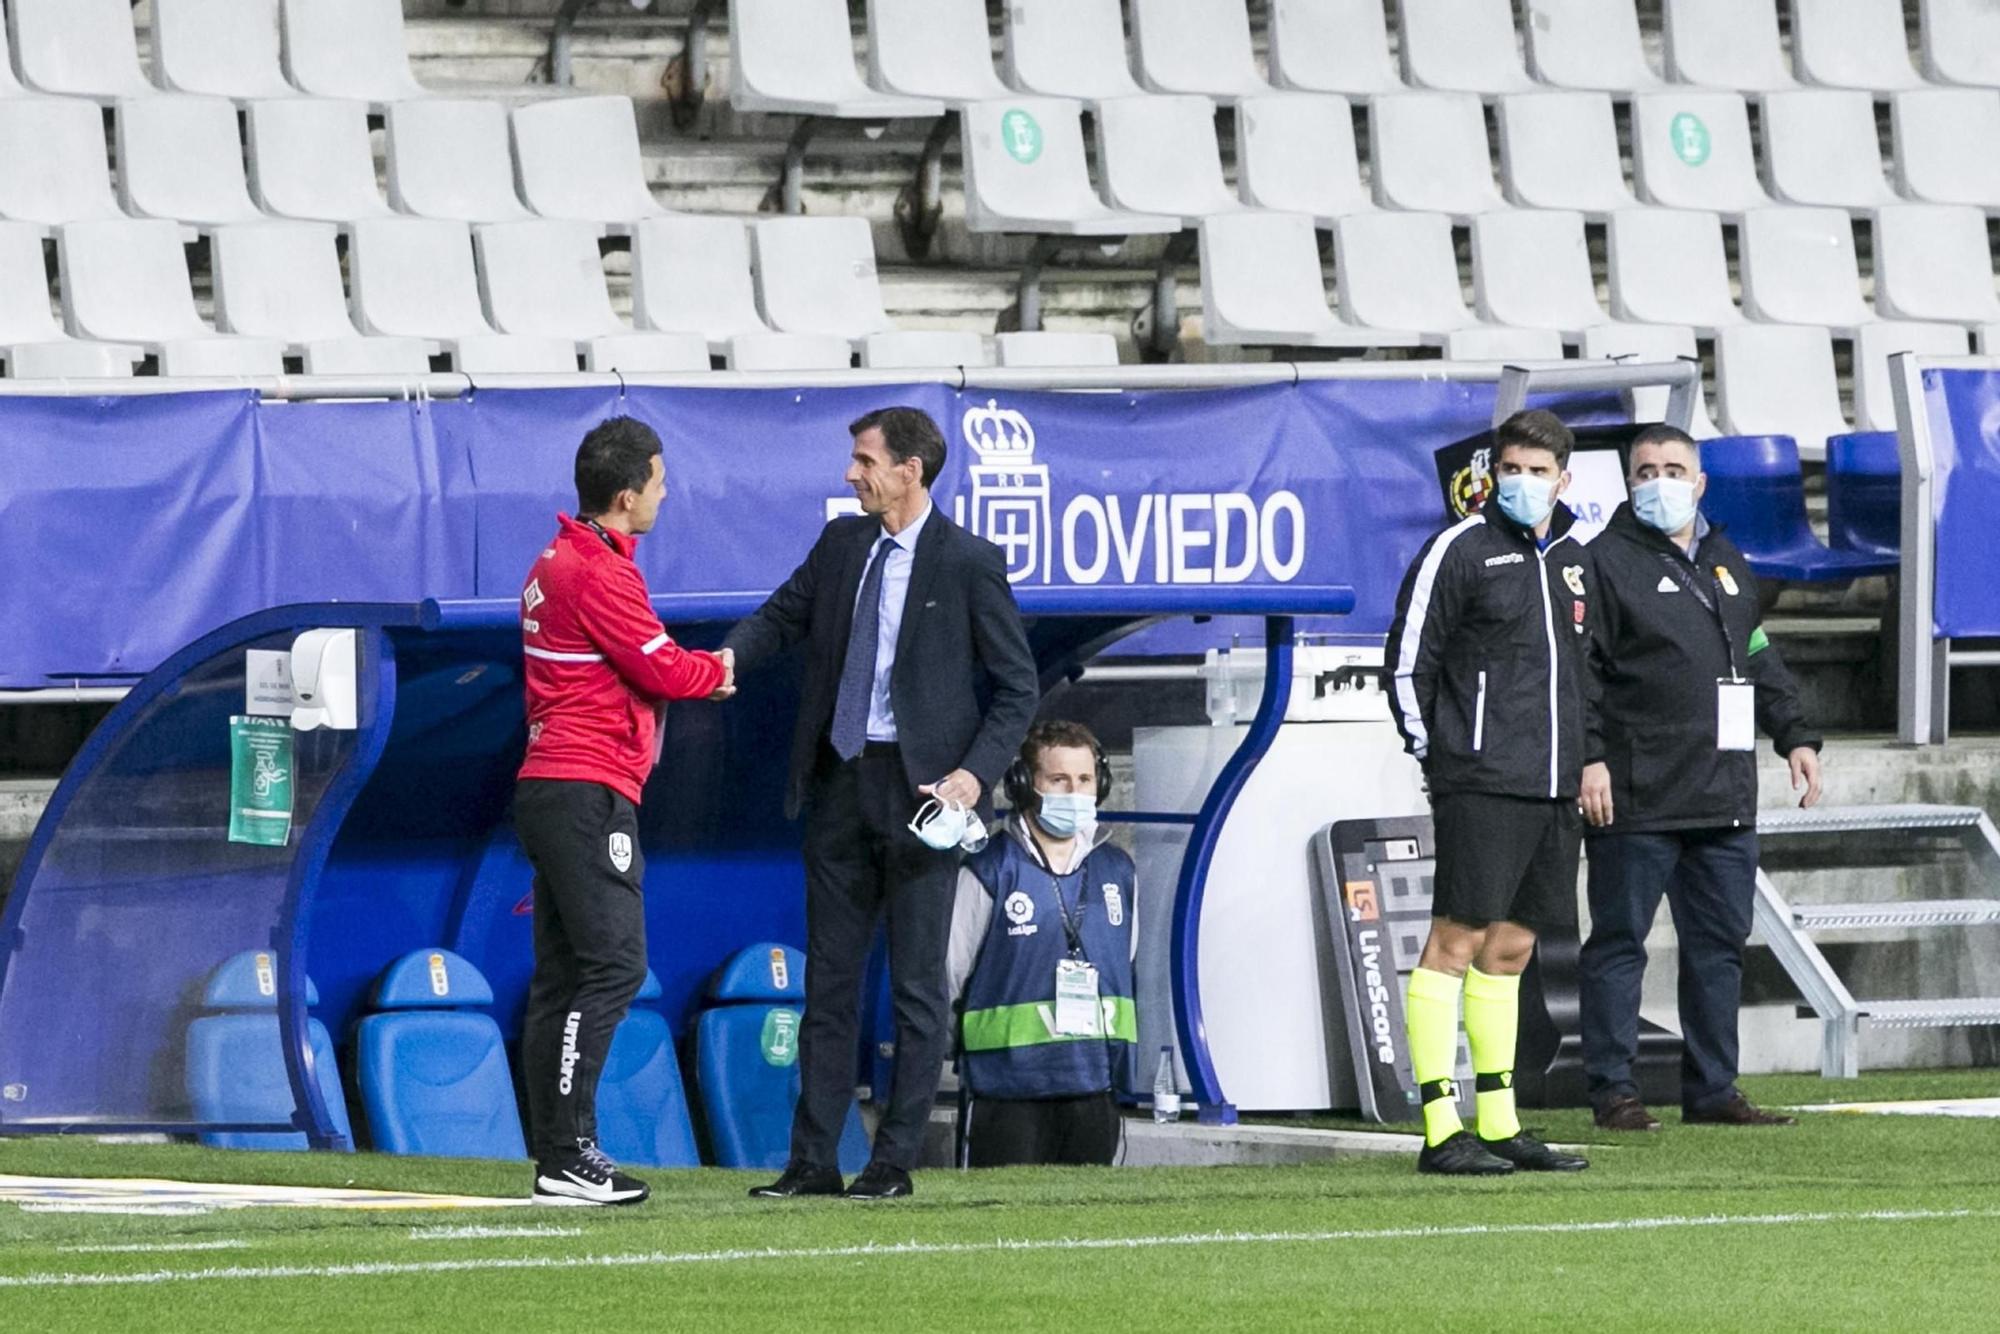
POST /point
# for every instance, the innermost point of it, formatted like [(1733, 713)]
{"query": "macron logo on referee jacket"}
[(599, 663)]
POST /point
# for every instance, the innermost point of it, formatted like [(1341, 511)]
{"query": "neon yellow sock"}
[(1492, 1022), (1431, 1018)]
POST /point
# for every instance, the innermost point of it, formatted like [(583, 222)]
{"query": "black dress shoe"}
[(799, 1179), (1531, 1155), (879, 1181), (1462, 1155), (1737, 1111)]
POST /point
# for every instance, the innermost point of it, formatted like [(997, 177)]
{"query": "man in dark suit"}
[(918, 683)]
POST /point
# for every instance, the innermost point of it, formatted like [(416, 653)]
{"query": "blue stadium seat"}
[(642, 1111), (433, 1074), (747, 1062), (1755, 492), (1864, 494), (235, 1066)]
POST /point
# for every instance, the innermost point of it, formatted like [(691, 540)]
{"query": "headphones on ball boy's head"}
[(1019, 781)]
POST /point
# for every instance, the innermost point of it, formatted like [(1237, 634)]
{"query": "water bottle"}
[(1166, 1091)]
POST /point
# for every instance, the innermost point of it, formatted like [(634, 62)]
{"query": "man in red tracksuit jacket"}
[(599, 670)]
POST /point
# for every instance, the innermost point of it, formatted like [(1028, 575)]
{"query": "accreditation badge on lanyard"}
[(1077, 1013), (1735, 714)]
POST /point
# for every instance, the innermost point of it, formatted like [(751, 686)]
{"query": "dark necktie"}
[(857, 673)]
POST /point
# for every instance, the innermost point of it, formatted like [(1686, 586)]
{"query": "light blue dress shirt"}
[(902, 554)]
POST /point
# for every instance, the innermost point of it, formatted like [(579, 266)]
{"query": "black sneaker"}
[(583, 1175), (1462, 1155), (1531, 1155)]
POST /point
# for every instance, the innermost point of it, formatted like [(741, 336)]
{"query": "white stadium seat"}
[(451, 158), (1874, 344), (1779, 379), (797, 57), (1397, 271), (817, 276), (368, 356), (281, 280), (691, 274), (1560, 150), (932, 48), (1932, 263), (1854, 44), (127, 282), (579, 158), (310, 158), (513, 354), (1025, 171), (10, 84), (1668, 266), (1692, 150), (1200, 47), (1729, 44), (1461, 46), (1986, 338), (1948, 146), (1430, 154), (1043, 347), (1159, 155), (34, 345), (1651, 342), (414, 278), (1332, 46), (1261, 286), (179, 157), (219, 48), (544, 278), (84, 48), (1819, 148), (1295, 153), (1591, 45), (789, 352), (351, 49), (1531, 269), (923, 349), (1961, 41), (55, 168), (1067, 48), (1493, 343), (1799, 268)]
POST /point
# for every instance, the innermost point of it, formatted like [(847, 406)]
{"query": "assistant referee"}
[(599, 670)]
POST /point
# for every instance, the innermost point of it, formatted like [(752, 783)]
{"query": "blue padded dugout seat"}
[(747, 1062), (1755, 491), (1864, 494), (433, 1073), (236, 1066), (642, 1110)]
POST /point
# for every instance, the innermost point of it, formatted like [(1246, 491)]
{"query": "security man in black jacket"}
[(1687, 679), (1489, 652)]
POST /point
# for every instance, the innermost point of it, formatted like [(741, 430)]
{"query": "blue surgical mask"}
[(1067, 814), (1665, 503), (1525, 498)]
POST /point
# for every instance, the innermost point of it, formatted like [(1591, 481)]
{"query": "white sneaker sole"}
[(552, 1190)]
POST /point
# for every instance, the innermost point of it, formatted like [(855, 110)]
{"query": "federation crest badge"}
[(621, 852), (1114, 905), (1573, 579), (1726, 579)]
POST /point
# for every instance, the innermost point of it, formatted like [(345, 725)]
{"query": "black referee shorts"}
[(1506, 859)]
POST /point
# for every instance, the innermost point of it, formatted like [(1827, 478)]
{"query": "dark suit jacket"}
[(964, 686)]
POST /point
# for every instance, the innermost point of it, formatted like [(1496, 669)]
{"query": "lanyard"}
[(1705, 595), (603, 536), (1072, 925)]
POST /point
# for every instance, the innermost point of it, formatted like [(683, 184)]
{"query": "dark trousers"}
[(1709, 878), (1071, 1132), (861, 860), (590, 948)]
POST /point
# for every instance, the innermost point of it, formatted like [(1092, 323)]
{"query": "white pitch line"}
[(486, 1233), (875, 1250), (144, 1210), (130, 1248)]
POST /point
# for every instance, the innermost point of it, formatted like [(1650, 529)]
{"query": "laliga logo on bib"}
[(1020, 909), (621, 852)]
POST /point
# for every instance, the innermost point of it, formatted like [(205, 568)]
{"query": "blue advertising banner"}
[(1964, 411)]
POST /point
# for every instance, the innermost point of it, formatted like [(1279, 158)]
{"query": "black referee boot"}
[(1529, 1154), (1461, 1155)]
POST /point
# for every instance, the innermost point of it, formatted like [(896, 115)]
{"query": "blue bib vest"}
[(1009, 1027)]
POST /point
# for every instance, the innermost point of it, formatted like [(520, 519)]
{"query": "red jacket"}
[(599, 664)]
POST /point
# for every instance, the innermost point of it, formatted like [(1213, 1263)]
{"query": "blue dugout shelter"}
[(132, 892)]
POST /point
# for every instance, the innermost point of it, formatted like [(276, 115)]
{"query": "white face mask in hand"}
[(947, 825)]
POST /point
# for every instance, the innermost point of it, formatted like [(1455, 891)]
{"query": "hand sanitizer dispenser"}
[(323, 680)]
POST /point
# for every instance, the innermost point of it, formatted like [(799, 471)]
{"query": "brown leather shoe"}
[(1738, 1111), (1625, 1113)]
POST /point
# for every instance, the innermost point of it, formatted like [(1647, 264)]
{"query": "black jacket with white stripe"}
[(1489, 652)]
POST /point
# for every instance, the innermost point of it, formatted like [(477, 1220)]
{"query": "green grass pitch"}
[(1845, 1222)]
